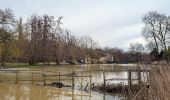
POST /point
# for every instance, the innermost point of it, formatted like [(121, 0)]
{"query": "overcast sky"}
[(112, 23)]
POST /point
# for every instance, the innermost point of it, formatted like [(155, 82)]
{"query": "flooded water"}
[(25, 91), (30, 92)]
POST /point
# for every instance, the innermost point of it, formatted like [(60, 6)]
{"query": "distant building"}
[(102, 60), (87, 59), (106, 59)]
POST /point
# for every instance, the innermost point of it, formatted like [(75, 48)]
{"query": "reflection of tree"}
[(4, 91), (18, 91), (97, 76), (116, 74)]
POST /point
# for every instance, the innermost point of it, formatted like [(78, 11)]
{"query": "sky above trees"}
[(112, 23)]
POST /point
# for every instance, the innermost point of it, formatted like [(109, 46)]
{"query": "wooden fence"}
[(42, 77)]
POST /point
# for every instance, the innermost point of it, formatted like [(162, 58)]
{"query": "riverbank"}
[(38, 65)]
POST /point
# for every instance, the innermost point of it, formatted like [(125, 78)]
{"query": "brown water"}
[(37, 92)]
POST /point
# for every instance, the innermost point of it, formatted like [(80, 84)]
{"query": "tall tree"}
[(6, 33), (21, 40)]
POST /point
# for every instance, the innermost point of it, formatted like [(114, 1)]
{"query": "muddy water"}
[(29, 92), (37, 92)]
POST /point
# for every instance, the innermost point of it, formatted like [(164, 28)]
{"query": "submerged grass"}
[(157, 87)]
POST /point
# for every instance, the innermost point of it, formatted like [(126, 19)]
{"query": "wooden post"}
[(81, 87), (73, 85), (44, 78), (129, 78), (16, 80), (139, 75), (81, 81), (90, 85), (32, 78), (104, 84), (104, 81), (59, 77), (73, 80)]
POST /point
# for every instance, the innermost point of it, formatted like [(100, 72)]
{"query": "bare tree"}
[(41, 39), (58, 41), (157, 29), (136, 50)]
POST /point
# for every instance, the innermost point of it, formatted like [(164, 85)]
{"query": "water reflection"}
[(28, 92)]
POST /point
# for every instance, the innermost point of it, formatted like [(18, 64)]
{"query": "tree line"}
[(41, 39)]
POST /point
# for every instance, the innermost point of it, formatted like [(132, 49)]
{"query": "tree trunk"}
[(3, 61), (57, 62), (3, 64)]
